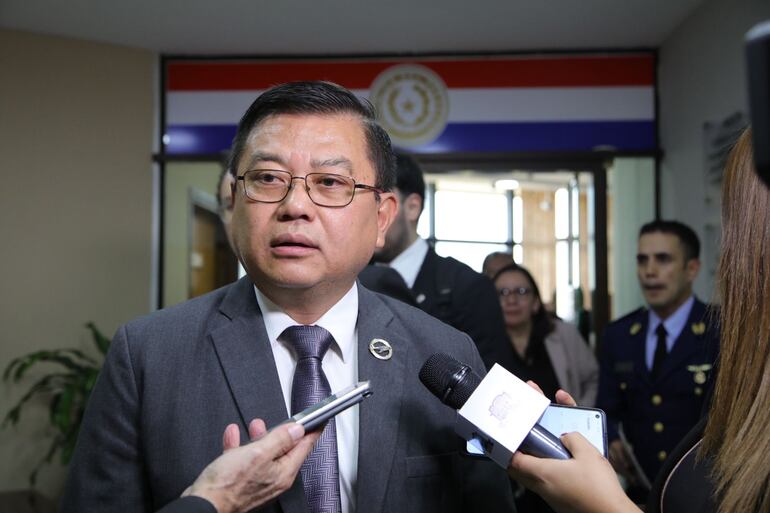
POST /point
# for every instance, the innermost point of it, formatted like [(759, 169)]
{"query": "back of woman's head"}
[(737, 434)]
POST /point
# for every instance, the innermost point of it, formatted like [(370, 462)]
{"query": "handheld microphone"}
[(454, 383)]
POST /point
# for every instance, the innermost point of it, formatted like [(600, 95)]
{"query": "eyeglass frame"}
[(376, 190), (515, 292)]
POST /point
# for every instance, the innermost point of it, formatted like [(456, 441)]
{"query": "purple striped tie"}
[(320, 471)]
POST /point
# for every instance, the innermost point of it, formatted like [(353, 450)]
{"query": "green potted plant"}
[(66, 389)]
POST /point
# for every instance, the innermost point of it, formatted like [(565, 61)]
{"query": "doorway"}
[(546, 220)]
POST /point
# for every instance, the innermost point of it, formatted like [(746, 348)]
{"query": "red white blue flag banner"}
[(494, 104)]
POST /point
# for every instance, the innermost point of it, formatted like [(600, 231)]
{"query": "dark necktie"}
[(660, 351), (320, 471)]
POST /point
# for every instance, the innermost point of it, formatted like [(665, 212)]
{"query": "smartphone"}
[(319, 413), (558, 419), (589, 422)]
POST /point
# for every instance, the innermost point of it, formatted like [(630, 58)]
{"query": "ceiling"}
[(346, 27)]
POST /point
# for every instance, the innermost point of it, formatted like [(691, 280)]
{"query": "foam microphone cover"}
[(449, 380)]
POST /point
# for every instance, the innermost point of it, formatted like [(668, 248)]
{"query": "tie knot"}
[(661, 330), (308, 341)]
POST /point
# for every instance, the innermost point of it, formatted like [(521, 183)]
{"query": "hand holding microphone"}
[(454, 383)]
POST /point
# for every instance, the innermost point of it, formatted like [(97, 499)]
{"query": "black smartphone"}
[(319, 413)]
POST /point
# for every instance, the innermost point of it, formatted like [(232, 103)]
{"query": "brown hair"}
[(738, 432)]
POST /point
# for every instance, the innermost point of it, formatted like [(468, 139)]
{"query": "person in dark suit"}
[(313, 172), (441, 286), (386, 280), (657, 363)]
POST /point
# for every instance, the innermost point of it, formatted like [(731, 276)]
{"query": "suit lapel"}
[(244, 353), (638, 333), (379, 414), (424, 288)]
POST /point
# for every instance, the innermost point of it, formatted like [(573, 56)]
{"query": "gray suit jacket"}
[(174, 379)]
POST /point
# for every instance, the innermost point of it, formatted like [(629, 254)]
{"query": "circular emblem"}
[(412, 104), (699, 377), (380, 349)]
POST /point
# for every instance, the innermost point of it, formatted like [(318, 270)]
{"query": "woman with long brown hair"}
[(725, 467)]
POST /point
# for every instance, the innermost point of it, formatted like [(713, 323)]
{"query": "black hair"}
[(409, 177), (684, 233), (320, 98), (542, 320)]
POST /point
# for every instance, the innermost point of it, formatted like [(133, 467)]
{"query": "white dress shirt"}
[(674, 325), (409, 262), (340, 365)]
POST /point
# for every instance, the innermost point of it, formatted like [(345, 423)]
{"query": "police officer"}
[(656, 365)]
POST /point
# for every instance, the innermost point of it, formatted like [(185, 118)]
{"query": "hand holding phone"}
[(559, 419), (589, 422)]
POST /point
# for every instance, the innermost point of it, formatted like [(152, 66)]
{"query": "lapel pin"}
[(380, 349), (635, 327), (699, 328)]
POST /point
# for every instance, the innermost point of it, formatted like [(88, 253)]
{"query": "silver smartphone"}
[(319, 413), (558, 419)]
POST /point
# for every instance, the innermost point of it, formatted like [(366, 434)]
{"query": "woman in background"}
[(723, 464), (543, 349)]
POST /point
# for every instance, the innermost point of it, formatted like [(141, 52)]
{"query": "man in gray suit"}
[(313, 173)]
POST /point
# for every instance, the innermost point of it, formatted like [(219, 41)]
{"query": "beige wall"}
[(183, 179), (76, 133), (702, 78)]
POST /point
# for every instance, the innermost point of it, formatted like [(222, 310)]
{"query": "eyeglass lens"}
[(515, 292), (325, 189)]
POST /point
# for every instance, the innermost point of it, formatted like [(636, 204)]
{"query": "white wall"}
[(702, 78), (76, 125)]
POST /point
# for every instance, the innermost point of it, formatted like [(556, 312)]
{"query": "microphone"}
[(454, 383)]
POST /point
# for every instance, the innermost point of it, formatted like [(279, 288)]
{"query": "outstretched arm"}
[(248, 476)]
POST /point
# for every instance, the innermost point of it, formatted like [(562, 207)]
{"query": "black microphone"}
[(454, 382)]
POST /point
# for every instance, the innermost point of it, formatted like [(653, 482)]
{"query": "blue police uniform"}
[(656, 413)]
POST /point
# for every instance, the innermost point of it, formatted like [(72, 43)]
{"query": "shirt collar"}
[(675, 322), (409, 262), (340, 320)]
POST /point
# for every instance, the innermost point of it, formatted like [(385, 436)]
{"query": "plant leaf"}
[(55, 444), (68, 390), (102, 342), (47, 384), (19, 366), (61, 410)]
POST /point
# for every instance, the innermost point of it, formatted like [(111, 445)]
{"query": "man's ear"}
[(691, 268), (386, 213), (412, 207), (233, 190)]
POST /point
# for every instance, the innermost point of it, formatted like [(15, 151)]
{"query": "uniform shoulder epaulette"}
[(630, 315)]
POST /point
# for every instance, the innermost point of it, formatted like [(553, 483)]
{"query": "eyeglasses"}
[(324, 189), (517, 292)]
